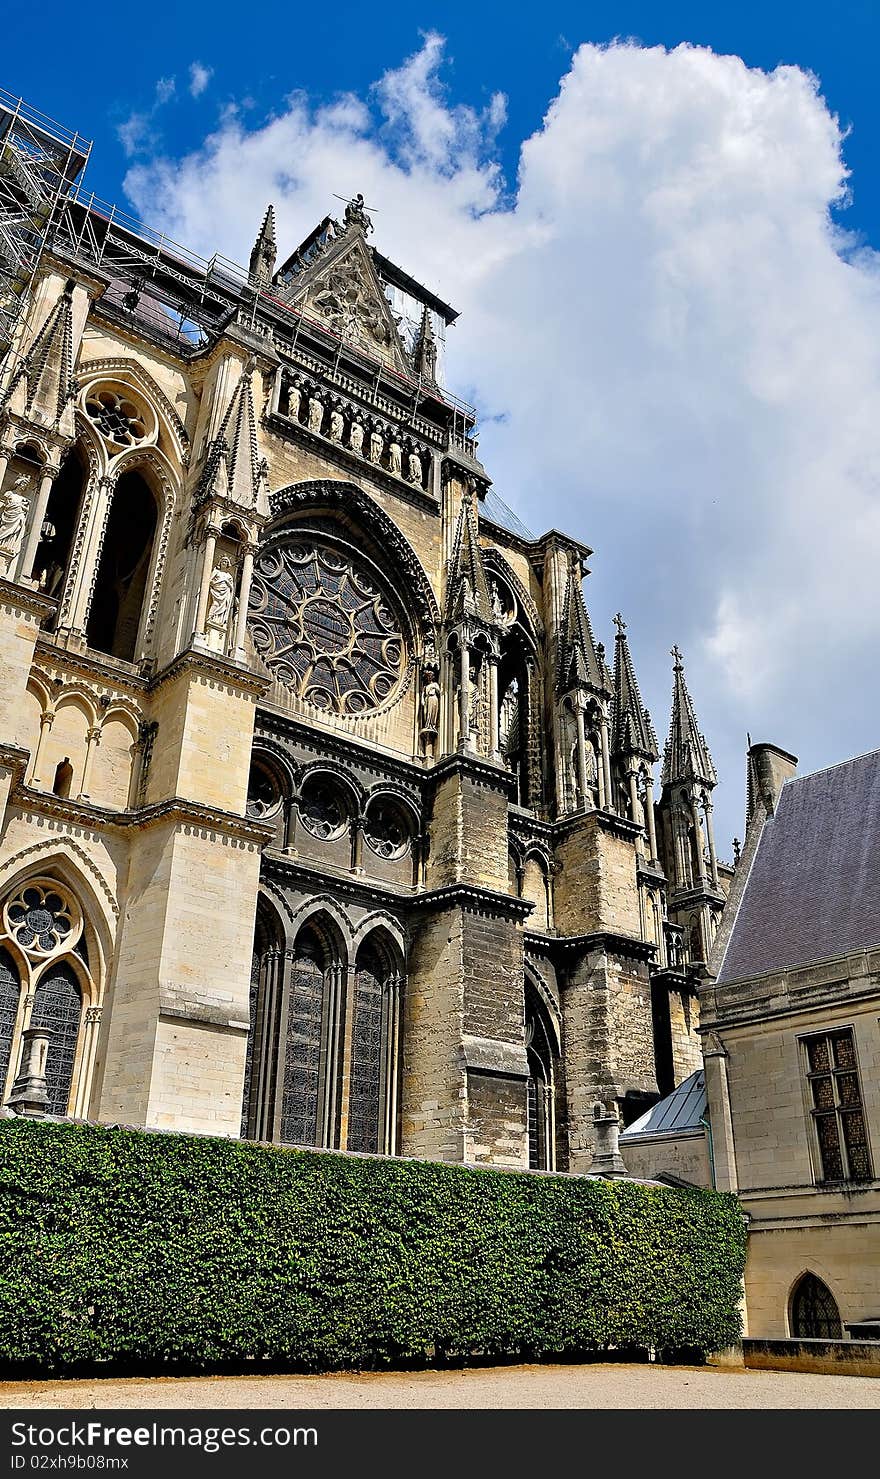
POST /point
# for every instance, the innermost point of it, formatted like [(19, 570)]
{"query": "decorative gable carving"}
[(345, 294)]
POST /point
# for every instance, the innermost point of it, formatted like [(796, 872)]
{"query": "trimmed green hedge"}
[(139, 1248)]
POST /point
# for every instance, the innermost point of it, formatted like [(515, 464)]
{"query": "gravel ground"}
[(494, 1387)]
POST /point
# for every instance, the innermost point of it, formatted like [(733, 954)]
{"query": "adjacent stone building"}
[(324, 818)]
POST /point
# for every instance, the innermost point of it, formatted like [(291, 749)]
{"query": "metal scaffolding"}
[(40, 161)]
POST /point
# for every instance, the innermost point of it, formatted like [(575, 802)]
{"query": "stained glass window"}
[(368, 1052), (10, 992), (58, 1005), (302, 1059), (42, 919), (837, 1106), (814, 1312), (539, 1087), (322, 809), (325, 628), (387, 829)]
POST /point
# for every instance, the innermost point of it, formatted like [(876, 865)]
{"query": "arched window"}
[(372, 1102), (813, 1313), (541, 1086), (123, 572), (265, 969), (58, 1005), (10, 992), (62, 516), (309, 1055)]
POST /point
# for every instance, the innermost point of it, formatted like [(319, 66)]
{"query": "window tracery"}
[(43, 918), (116, 416), (386, 830), (322, 810), (264, 794), (325, 628)]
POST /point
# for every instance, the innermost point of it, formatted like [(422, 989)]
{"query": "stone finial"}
[(607, 1160), (29, 1094)]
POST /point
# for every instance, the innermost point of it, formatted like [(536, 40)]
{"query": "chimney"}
[(769, 769)]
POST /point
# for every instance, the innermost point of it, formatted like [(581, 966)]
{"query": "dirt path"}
[(616, 1386)]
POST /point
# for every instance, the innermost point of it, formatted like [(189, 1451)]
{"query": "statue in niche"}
[(414, 468), (356, 436), (221, 590), (337, 425), (13, 517), (497, 607), (316, 413), (430, 703), (395, 458), (376, 446), (294, 401)]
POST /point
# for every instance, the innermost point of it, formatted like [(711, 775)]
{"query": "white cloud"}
[(199, 77), (677, 355), (136, 132)]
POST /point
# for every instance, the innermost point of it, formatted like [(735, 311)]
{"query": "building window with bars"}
[(835, 1101)]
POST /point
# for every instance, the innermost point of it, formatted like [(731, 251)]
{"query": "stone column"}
[(45, 725), (710, 838), (649, 816), (5, 455), (87, 1062), (357, 845), (207, 572), (38, 514), (494, 736), (607, 1160), (290, 826), (606, 761), (698, 842), (28, 1095), (93, 739), (583, 783), (244, 590), (722, 1145), (464, 696)]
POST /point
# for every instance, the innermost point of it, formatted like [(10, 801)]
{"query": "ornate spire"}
[(262, 262), (632, 732), (45, 374), (232, 467), (467, 590), (424, 354), (686, 757), (581, 664)]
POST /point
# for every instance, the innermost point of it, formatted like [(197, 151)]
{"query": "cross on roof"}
[(620, 624), (674, 651)]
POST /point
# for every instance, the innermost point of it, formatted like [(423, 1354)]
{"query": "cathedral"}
[(326, 819)]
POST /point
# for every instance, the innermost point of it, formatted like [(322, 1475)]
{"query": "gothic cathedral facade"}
[(325, 820)]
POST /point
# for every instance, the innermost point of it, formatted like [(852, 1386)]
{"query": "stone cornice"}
[(484, 772), (87, 275), (352, 885), (276, 723), (677, 979), (606, 941), (26, 599), (688, 898), (839, 982), (211, 665), (109, 672), (14, 758), (540, 546), (609, 821), (176, 810), (477, 898)]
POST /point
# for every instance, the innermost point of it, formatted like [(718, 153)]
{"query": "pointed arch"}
[(374, 1067), (813, 1311), (125, 369), (542, 1054)]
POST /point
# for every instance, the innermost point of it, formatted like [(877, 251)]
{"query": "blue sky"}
[(664, 255)]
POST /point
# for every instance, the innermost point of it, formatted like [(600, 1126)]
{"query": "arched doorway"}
[(541, 1085), (58, 1006), (813, 1311), (372, 1099), (120, 587)]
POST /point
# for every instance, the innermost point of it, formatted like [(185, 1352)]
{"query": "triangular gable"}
[(343, 291)]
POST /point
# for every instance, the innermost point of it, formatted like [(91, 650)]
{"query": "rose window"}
[(322, 811), (116, 417), (386, 830), (325, 628), (263, 796), (42, 919)]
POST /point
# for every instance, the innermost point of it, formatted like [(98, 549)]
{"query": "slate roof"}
[(680, 1111), (496, 511), (814, 887)]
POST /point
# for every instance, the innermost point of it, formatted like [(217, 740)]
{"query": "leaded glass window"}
[(539, 1086), (10, 991), (368, 1052), (58, 1005), (324, 626), (302, 1057), (387, 830), (836, 1106), (814, 1312), (322, 809), (42, 918)]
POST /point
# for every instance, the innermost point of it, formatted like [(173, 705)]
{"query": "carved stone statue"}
[(497, 606), (395, 458), (294, 402), (316, 413), (13, 518), (355, 214), (356, 436), (221, 590), (376, 446), (414, 468), (337, 425), (430, 705)]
